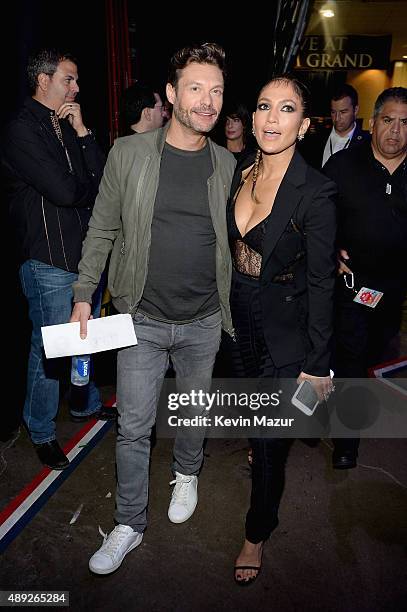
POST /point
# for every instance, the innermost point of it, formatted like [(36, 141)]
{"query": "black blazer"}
[(297, 314), (313, 146)]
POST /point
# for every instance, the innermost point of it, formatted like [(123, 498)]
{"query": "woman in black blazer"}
[(281, 222)]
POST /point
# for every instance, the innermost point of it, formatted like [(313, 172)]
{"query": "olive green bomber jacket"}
[(122, 217)]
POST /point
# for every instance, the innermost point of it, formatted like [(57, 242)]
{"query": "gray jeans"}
[(140, 374)]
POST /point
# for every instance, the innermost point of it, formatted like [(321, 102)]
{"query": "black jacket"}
[(313, 146), (297, 315), (50, 206)]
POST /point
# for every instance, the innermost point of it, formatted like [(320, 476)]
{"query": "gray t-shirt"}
[(181, 279)]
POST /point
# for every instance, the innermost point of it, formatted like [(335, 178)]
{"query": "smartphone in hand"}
[(305, 398)]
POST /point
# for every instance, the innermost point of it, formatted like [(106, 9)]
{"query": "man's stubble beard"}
[(184, 118)]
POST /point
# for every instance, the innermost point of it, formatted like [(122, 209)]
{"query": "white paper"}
[(104, 334)]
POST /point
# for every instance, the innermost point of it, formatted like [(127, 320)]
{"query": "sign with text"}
[(344, 52)]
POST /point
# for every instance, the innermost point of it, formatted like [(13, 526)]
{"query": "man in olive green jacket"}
[(161, 213)]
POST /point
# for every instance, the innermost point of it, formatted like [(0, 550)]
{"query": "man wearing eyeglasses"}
[(142, 109)]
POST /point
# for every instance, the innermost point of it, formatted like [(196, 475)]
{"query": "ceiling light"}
[(404, 56), (327, 13)]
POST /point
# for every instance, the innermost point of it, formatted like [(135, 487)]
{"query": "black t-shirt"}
[(181, 280)]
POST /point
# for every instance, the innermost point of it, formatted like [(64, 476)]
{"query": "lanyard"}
[(346, 145)]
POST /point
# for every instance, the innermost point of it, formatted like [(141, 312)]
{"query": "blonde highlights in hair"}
[(256, 169)]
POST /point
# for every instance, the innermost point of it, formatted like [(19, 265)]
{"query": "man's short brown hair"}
[(206, 53)]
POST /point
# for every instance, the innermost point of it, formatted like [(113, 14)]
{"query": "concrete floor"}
[(340, 546)]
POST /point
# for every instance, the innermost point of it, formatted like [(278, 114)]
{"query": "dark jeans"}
[(49, 294)]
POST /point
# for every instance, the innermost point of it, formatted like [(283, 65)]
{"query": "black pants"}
[(251, 359), (361, 337)]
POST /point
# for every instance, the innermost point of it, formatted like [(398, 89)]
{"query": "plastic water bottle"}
[(80, 370)]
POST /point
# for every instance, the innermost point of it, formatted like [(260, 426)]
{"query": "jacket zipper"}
[(62, 241), (46, 229), (138, 192), (230, 331)]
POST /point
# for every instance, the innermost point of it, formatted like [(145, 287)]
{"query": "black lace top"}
[(246, 250)]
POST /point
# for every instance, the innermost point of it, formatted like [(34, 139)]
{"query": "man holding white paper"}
[(161, 212), (103, 334)]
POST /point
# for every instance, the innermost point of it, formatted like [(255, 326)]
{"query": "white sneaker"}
[(184, 498), (115, 547)]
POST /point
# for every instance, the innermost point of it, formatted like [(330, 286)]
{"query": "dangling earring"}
[(253, 132), (300, 137)]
